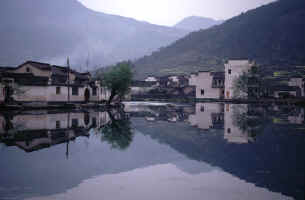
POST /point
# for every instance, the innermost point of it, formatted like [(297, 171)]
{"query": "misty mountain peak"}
[(195, 23)]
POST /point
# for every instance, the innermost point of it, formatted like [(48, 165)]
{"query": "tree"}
[(117, 80), (248, 84)]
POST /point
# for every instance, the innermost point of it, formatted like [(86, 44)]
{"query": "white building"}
[(151, 79), (298, 82), (209, 85), (45, 83), (233, 69)]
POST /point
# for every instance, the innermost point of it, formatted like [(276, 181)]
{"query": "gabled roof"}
[(39, 65)]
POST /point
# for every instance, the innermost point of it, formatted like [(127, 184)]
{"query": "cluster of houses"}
[(44, 83), (220, 85), (35, 82)]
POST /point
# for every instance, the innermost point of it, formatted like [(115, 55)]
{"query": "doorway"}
[(87, 95)]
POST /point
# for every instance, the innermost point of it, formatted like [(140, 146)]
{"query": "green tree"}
[(117, 80), (248, 84)]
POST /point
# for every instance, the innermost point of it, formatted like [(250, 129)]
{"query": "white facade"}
[(204, 90), (298, 82), (49, 90), (151, 79), (51, 94), (233, 69)]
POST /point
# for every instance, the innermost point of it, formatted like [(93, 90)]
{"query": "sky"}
[(170, 12)]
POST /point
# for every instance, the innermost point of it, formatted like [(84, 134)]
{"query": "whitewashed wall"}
[(204, 81), (237, 67)]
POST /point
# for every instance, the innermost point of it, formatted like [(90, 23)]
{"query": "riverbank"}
[(294, 101), (66, 106)]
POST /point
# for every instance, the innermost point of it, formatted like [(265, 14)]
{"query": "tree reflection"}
[(117, 132), (247, 121)]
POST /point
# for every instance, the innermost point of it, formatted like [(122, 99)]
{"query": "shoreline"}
[(71, 106)]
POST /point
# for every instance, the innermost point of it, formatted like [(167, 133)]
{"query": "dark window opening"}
[(57, 124), (57, 90), (74, 123), (75, 91), (202, 92), (28, 69), (202, 109), (229, 71), (229, 130)]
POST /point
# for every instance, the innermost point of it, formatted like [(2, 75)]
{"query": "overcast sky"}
[(169, 12)]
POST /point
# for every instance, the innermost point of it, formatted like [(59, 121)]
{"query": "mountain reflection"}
[(259, 144)]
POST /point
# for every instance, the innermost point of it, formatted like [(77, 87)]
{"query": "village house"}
[(298, 82), (209, 85), (45, 83), (233, 70)]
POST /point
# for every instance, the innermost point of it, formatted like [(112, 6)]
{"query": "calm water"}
[(154, 151)]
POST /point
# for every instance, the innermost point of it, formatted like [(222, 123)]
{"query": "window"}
[(57, 90), (74, 123), (202, 92), (75, 91), (57, 124), (94, 91), (229, 130), (28, 70), (229, 71), (202, 108), (101, 90)]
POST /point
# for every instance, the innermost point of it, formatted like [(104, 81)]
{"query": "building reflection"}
[(208, 116), (35, 131)]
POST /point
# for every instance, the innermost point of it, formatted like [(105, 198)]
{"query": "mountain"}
[(195, 23), (272, 34), (52, 30)]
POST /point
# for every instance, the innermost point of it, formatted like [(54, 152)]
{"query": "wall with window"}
[(298, 82), (203, 82), (233, 69)]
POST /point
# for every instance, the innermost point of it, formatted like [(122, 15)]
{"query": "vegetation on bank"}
[(117, 79), (272, 35)]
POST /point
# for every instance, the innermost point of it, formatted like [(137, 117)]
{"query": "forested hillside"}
[(273, 34)]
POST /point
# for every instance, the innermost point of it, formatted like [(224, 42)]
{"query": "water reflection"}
[(117, 131), (242, 151)]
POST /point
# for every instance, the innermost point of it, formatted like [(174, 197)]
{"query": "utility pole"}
[(87, 62), (68, 67)]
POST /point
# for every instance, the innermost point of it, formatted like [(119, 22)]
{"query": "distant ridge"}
[(51, 30), (272, 34), (195, 23)]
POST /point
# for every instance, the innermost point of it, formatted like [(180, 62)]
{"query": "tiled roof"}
[(39, 65), (26, 78)]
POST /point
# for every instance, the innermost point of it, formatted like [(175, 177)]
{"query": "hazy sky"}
[(169, 12)]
